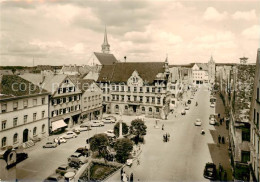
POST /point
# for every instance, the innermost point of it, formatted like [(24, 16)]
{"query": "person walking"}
[(162, 126), (58, 141), (124, 177), (223, 140), (219, 138), (131, 177), (225, 175), (220, 121), (220, 169), (121, 172)]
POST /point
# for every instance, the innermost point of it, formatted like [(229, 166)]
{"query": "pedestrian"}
[(220, 121), (166, 137), (138, 162), (131, 177), (59, 141), (218, 115), (219, 138), (220, 169), (121, 172), (124, 177), (223, 139), (162, 126), (225, 175)]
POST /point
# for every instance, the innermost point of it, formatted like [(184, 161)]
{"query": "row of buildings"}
[(35, 104), (239, 88)]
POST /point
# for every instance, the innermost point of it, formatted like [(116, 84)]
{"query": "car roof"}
[(63, 165), (76, 153)]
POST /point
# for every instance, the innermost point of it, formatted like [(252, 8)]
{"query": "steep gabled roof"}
[(10, 87), (120, 72), (105, 59)]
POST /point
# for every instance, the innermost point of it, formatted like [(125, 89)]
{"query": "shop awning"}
[(58, 124)]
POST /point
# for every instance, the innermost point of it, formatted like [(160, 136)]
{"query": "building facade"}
[(135, 88), (200, 73), (255, 126), (211, 70), (24, 112)]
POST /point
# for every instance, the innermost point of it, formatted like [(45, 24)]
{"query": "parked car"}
[(78, 157), (129, 162), (96, 123), (54, 177), (212, 121), (187, 108), (212, 116), (74, 165), (84, 151), (50, 145), (62, 140), (189, 101), (64, 168), (85, 127), (69, 134), (76, 130), (21, 156), (183, 112), (108, 120), (198, 122), (110, 133), (212, 104), (210, 171)]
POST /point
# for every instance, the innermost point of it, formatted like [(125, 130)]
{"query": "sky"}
[(57, 32)]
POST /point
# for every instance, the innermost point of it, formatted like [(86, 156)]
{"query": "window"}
[(34, 116), (15, 121), (135, 89), (129, 89), (153, 89), (4, 142), (25, 103), (257, 119), (122, 97), (158, 100), (113, 87), (246, 134), (126, 107), (141, 98), (34, 102), (143, 109), (122, 88), (116, 107), (150, 109), (104, 98), (254, 115), (3, 107), (141, 89), (113, 97), (43, 113), (43, 128), (147, 89), (245, 156), (117, 88), (34, 131), (135, 98), (153, 100), (157, 109), (159, 89), (15, 139), (43, 101), (128, 97), (25, 118), (64, 99), (3, 124), (15, 106), (147, 99)]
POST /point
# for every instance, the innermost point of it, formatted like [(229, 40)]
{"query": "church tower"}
[(211, 70), (105, 46)]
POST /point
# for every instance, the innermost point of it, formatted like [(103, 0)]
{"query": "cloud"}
[(252, 32), (244, 15), (212, 14)]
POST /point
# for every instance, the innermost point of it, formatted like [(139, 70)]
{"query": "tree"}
[(99, 142), (124, 129), (138, 129), (123, 148)]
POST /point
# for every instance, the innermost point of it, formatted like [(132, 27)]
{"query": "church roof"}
[(121, 72), (105, 59)]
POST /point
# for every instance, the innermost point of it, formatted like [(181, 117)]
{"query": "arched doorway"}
[(25, 135)]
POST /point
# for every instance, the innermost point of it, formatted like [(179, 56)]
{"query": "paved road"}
[(184, 157), (43, 162)]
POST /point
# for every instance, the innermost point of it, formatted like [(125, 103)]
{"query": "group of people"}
[(221, 139), (125, 177)]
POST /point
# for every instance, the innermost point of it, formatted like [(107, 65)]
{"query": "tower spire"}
[(105, 46)]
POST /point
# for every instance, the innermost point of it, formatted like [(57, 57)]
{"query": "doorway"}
[(25, 135)]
